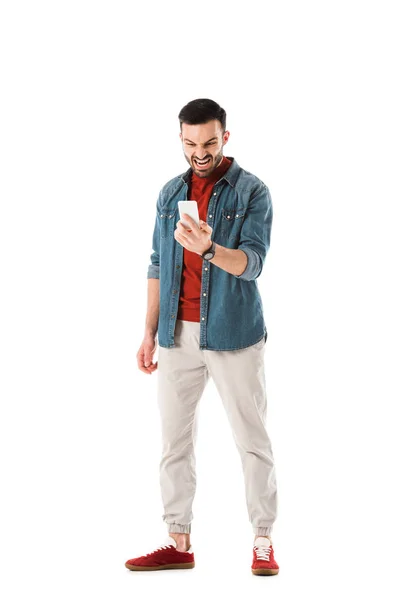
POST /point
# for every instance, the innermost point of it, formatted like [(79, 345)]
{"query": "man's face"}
[(203, 142)]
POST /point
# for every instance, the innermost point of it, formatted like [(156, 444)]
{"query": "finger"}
[(191, 222), (141, 366), (180, 226), (203, 225), (180, 236), (147, 361), (144, 363)]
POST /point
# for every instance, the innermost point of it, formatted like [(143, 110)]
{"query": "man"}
[(204, 303)]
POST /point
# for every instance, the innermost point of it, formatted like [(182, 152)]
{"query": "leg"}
[(182, 377), (240, 380)]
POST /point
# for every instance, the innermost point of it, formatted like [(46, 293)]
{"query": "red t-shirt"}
[(200, 189)]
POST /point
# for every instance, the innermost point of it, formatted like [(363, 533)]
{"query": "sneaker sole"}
[(160, 567), (265, 571)]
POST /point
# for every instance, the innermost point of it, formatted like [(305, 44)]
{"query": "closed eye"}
[(207, 144)]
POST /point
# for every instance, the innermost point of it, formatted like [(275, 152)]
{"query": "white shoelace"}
[(262, 552), (159, 548)]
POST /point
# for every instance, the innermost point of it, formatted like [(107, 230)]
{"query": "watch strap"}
[(211, 248)]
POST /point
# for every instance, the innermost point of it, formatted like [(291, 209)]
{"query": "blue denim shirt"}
[(240, 214)]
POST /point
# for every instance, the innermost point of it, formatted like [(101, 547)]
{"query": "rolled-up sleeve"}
[(255, 234), (153, 270)]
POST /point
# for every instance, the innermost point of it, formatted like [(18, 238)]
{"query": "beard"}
[(215, 162)]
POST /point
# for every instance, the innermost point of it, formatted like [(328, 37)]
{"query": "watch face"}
[(209, 254)]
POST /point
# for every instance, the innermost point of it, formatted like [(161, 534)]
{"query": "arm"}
[(153, 281), (246, 262), (231, 260), (153, 307), (153, 270), (147, 348), (255, 235)]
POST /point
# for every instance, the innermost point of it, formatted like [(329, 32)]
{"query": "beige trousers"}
[(239, 377)]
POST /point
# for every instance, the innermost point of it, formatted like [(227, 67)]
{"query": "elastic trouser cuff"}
[(179, 528), (262, 530)]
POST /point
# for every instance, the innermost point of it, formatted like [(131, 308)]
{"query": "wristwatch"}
[(209, 254)]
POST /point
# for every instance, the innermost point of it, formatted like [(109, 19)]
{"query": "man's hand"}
[(145, 355), (197, 239)]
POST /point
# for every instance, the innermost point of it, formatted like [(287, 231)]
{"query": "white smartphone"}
[(190, 208)]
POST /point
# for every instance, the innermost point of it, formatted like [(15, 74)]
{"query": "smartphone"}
[(190, 208)]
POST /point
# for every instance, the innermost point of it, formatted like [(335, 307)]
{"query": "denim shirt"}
[(240, 214)]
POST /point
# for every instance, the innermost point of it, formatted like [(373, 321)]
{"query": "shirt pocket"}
[(167, 220), (231, 222)]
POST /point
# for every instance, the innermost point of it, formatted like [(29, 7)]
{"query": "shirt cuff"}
[(253, 266), (153, 272)]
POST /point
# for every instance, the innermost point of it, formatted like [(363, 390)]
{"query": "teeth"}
[(202, 163)]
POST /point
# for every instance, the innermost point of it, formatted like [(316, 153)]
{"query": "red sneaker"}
[(164, 557), (264, 562)]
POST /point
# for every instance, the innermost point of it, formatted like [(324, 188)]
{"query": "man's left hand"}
[(196, 239)]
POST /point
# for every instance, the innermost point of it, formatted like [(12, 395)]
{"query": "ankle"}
[(182, 540)]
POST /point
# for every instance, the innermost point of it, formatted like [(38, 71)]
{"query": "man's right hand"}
[(145, 355)]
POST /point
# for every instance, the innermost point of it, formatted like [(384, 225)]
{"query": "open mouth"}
[(203, 163)]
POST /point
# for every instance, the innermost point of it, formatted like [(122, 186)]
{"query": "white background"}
[(90, 98)]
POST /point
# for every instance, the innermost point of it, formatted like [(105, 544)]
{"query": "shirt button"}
[(228, 216), (210, 216), (202, 318), (206, 268), (204, 294), (215, 193)]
